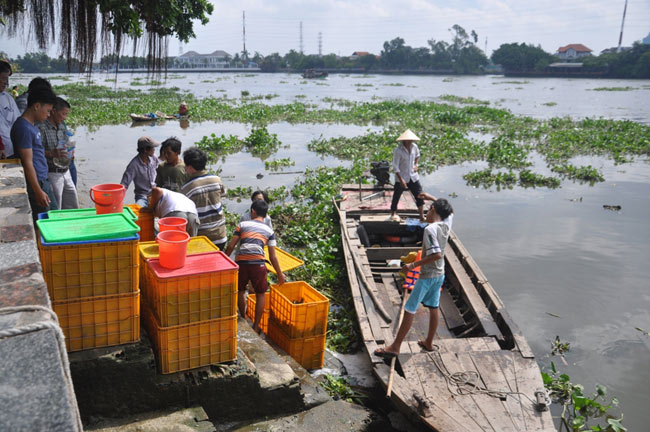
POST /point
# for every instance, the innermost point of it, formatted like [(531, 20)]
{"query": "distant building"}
[(355, 55), (614, 50), (194, 60), (572, 51)]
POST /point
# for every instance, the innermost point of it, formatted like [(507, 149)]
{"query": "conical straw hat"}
[(408, 136)]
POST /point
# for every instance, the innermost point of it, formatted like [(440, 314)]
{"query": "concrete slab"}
[(273, 371), (183, 420), (334, 416)]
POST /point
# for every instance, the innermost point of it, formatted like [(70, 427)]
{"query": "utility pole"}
[(244, 53), (320, 44), (485, 50), (620, 38), (301, 51)]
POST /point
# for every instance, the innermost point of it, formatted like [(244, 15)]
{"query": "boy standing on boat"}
[(142, 170), (405, 166), (432, 274), (252, 235)]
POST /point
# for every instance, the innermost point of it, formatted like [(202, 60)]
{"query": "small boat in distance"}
[(158, 115), (313, 73), (482, 375)]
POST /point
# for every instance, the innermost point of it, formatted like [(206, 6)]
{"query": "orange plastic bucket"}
[(172, 248), (108, 198), (172, 223)]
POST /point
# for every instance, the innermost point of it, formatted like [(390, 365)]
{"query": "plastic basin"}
[(108, 198), (172, 223), (172, 248)]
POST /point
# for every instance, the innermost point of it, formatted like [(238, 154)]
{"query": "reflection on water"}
[(544, 251)]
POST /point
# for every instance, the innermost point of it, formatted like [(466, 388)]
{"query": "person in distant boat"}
[(432, 275), (252, 236), (142, 170), (171, 174), (405, 166), (166, 203), (205, 190), (182, 109)]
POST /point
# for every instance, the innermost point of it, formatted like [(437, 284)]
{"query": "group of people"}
[(32, 128), (174, 188)]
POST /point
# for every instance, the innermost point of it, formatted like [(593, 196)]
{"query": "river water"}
[(562, 264)]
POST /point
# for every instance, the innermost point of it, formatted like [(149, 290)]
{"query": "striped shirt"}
[(205, 190), (253, 236)]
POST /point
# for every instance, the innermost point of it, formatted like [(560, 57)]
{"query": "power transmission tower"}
[(301, 50), (244, 53), (620, 38), (320, 44)]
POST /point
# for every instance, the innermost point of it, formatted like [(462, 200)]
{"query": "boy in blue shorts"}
[(432, 274)]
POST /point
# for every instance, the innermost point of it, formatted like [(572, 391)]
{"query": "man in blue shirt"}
[(28, 145)]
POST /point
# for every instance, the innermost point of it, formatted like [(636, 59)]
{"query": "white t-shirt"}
[(404, 160), (434, 241), (9, 113), (174, 201)]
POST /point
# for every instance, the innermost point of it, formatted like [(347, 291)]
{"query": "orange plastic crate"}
[(190, 346), (250, 311), (204, 289), (90, 269), (99, 321), (144, 221), (308, 351), (299, 310)]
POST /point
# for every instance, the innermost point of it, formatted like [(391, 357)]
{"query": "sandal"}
[(424, 347), (381, 352)]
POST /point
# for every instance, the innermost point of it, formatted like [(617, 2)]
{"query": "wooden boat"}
[(312, 73), (483, 375), (158, 115)]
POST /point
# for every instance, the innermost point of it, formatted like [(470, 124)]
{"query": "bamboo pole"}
[(389, 388)]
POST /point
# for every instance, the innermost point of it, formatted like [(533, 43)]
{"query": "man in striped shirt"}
[(205, 190), (252, 235)]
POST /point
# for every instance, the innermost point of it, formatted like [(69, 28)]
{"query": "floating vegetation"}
[(278, 164), (363, 85), (486, 178), (511, 82), (584, 173), (110, 80), (503, 152), (361, 90), (245, 93), (448, 80), (208, 81), (339, 388), (394, 85), (363, 76), (614, 88), (239, 192), (271, 96), (300, 96), (551, 104), (322, 84), (464, 100)]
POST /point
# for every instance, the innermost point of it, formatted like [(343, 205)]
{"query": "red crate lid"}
[(195, 264)]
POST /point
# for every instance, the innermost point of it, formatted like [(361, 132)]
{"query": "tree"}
[(395, 53), (518, 57), (76, 22)]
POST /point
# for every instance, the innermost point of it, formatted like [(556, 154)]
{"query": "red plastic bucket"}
[(172, 223), (172, 248), (108, 198)]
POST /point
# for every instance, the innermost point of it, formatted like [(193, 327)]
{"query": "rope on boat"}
[(48, 324), (468, 382)]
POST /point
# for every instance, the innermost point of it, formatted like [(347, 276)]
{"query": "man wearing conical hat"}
[(405, 166)]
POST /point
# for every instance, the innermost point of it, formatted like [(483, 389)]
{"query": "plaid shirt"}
[(51, 135)]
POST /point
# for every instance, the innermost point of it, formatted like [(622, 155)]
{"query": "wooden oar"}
[(362, 277), (389, 388)]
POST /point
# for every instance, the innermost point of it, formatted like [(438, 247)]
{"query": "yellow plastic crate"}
[(149, 250), (90, 269), (299, 310), (285, 259), (144, 221), (204, 289), (308, 351), (99, 321), (250, 311), (190, 346)]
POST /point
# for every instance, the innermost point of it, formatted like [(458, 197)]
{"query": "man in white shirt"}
[(9, 112), (166, 203), (405, 166)]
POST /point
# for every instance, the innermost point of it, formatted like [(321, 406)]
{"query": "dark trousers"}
[(416, 189), (36, 209)]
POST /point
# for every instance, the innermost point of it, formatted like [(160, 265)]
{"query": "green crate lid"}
[(73, 213), (98, 227)]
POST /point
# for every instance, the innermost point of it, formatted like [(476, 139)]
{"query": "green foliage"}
[(278, 164), (505, 153), (487, 179), (339, 388), (581, 412), (558, 347), (583, 173), (614, 88), (530, 179), (464, 100), (521, 57)]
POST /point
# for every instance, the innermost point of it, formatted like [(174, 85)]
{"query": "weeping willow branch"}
[(78, 23)]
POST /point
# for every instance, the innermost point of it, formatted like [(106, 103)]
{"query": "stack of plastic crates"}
[(144, 221), (190, 313), (298, 322), (93, 283)]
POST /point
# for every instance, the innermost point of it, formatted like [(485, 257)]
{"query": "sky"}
[(364, 25)]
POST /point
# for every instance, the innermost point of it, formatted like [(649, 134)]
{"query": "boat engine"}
[(381, 171)]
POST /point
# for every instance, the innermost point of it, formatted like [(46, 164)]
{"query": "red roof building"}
[(572, 51)]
